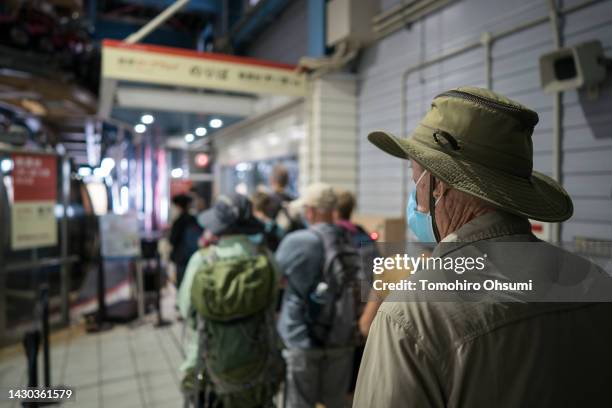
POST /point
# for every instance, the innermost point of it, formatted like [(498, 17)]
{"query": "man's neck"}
[(463, 217)]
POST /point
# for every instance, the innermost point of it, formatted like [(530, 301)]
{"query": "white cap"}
[(319, 195)]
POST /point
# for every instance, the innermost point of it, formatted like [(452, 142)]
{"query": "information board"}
[(33, 218), (120, 235)]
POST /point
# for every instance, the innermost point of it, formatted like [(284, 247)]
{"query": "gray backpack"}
[(331, 307)]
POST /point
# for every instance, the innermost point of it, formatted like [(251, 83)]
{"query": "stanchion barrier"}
[(31, 341), (153, 264), (44, 317)]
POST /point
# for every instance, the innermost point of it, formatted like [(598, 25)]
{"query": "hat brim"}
[(210, 221), (538, 197)]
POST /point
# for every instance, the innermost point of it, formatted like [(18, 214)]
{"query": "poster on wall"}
[(120, 235), (34, 199)]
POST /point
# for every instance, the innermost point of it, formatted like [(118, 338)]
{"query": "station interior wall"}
[(586, 141), (586, 168), (286, 38)]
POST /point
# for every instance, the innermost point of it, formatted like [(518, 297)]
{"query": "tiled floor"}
[(126, 367)]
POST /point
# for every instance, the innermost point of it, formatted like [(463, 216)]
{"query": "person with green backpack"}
[(228, 297)]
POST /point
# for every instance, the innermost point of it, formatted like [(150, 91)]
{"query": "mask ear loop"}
[(422, 175), (416, 183), (432, 207)]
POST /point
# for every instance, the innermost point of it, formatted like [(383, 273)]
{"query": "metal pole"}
[(557, 114), (101, 314), (156, 22), (4, 211), (31, 341), (140, 288), (65, 267), (44, 299), (487, 43), (158, 271)]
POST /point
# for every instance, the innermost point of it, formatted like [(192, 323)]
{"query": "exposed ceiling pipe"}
[(343, 54), (391, 11), (387, 23), (108, 87), (160, 19)]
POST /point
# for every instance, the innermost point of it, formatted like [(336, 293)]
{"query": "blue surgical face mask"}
[(420, 223)]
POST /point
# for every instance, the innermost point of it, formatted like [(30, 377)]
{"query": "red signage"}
[(201, 160), (34, 177), (180, 186)]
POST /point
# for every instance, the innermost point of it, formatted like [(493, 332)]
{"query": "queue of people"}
[(471, 157), (307, 332)]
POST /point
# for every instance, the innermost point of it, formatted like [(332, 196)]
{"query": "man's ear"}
[(440, 189)]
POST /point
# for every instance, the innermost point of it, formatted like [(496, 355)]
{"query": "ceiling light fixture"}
[(177, 173), (216, 123), (147, 119)]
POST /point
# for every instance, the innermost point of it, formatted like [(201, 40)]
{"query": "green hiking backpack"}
[(239, 354)]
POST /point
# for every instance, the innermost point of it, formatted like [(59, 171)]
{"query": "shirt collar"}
[(490, 225)]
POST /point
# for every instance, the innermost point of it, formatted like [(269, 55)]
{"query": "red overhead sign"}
[(34, 198), (180, 186), (34, 177)]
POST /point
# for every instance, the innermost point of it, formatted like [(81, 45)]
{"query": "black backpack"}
[(331, 306)]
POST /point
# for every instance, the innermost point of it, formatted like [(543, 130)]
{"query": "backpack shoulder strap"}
[(211, 254), (330, 240), (326, 238)]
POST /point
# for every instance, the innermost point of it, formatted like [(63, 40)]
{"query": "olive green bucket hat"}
[(479, 142)]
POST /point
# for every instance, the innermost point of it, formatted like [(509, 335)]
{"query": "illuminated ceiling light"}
[(201, 131), (189, 137), (177, 173), (84, 171), (6, 165), (216, 123), (98, 172), (140, 128), (147, 119), (107, 164)]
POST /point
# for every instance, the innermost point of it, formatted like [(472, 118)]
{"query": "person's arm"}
[(368, 315), (396, 371), (295, 259), (176, 231), (183, 298)]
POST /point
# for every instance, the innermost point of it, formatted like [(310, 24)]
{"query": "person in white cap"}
[(318, 352)]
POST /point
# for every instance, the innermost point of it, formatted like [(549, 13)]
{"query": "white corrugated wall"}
[(587, 125)]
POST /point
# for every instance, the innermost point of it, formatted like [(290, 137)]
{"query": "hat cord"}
[(432, 207)]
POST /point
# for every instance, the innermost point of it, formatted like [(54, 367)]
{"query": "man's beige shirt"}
[(476, 354)]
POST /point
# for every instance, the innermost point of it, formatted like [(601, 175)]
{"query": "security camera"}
[(582, 65)]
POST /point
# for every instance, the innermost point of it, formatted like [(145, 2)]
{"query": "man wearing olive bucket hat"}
[(472, 164)]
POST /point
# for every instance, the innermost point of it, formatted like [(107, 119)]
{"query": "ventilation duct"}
[(404, 14)]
